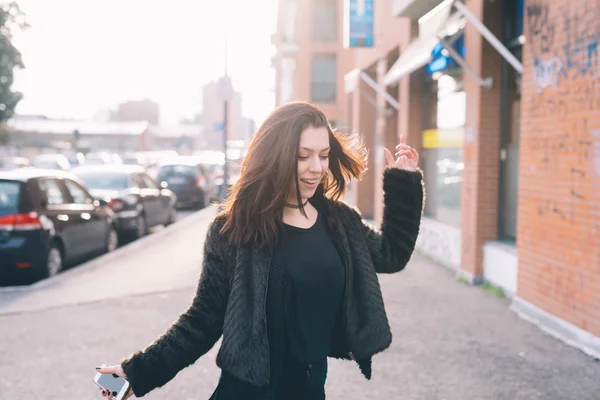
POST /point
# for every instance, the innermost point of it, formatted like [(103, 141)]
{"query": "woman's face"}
[(313, 161)]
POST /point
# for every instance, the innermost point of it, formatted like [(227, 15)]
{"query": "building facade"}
[(137, 110), (309, 61), (239, 128), (502, 99), (30, 136)]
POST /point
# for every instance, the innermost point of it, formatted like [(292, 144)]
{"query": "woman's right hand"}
[(117, 370)]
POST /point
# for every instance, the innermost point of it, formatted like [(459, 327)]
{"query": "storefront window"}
[(443, 153), (509, 140)]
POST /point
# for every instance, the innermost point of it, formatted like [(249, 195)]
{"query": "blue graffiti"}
[(547, 73), (582, 56), (582, 32), (578, 57)]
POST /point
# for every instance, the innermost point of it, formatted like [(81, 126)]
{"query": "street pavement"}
[(451, 341)]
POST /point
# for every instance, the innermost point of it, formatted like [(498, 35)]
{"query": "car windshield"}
[(170, 170), (104, 180), (9, 196), (45, 164)]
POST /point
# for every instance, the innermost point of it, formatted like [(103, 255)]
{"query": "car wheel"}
[(202, 202), (172, 216), (112, 240), (54, 261), (142, 228)]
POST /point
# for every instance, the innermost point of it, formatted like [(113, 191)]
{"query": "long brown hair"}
[(254, 208)]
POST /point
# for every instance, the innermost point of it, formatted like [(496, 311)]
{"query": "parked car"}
[(214, 162), (103, 157), (134, 159), (189, 179), (10, 163), (51, 161), (48, 221), (76, 159), (138, 201)]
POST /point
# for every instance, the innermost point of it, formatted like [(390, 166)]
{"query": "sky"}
[(82, 56)]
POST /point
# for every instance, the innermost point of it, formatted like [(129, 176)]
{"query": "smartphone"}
[(118, 386)]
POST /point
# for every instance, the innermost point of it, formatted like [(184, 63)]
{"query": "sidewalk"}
[(451, 341)]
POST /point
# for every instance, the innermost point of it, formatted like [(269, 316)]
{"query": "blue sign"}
[(441, 60), (359, 24)]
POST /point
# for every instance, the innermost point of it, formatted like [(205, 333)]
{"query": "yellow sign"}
[(443, 138)]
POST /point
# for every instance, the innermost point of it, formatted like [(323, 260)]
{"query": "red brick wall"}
[(559, 182), (479, 201), (365, 121)]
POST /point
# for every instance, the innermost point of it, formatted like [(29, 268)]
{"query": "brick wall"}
[(559, 182), (482, 140)]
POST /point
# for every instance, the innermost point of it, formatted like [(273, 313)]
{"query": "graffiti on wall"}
[(577, 52), (561, 145), (565, 156), (564, 43)]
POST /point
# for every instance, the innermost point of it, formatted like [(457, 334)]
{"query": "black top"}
[(317, 278)]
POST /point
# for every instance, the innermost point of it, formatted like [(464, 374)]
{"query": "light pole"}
[(226, 94)]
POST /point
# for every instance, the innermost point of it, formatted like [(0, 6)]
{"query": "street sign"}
[(358, 23)]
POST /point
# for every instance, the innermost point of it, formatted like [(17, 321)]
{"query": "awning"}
[(438, 23), (351, 81), (413, 8), (489, 36), (434, 28)]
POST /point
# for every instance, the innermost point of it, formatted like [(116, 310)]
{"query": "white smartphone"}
[(118, 386)]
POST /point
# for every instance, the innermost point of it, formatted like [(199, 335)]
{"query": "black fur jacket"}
[(232, 293)]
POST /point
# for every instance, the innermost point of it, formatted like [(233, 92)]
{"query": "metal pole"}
[(225, 124), (225, 166), (485, 82), (486, 33), (371, 82)]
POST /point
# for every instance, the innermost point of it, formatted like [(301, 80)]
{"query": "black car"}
[(138, 201), (189, 179), (48, 220)]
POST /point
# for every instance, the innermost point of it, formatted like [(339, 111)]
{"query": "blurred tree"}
[(11, 17)]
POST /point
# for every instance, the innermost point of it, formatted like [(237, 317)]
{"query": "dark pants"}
[(303, 381), (300, 381)]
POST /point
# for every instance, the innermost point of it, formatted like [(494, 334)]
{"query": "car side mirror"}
[(164, 184)]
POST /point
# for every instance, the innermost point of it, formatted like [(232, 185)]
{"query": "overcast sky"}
[(85, 55)]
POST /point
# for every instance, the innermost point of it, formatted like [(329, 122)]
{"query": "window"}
[(9, 195), (324, 21), (442, 153), (510, 87), (52, 190), (323, 76), (77, 193), (178, 170), (138, 181), (104, 180), (148, 181)]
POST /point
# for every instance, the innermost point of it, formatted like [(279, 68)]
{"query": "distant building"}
[(239, 128), (137, 110), (31, 135), (184, 138)]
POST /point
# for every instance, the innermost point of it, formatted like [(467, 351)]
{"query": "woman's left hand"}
[(408, 158)]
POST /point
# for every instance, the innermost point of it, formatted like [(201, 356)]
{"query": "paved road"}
[(451, 341)]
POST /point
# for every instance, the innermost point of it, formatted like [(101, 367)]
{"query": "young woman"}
[(289, 275)]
